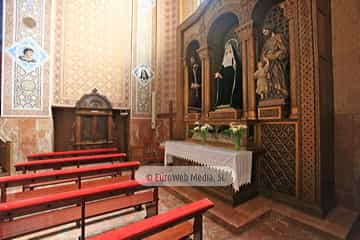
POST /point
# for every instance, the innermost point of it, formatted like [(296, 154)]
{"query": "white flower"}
[(206, 127), (237, 129)]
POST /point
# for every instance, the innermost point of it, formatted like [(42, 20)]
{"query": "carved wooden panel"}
[(101, 132), (307, 100), (225, 114), (266, 113), (85, 132), (276, 18), (93, 101), (297, 161), (278, 165), (192, 117), (93, 121), (5, 158)]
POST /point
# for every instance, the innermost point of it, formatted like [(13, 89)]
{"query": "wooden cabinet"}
[(93, 128), (92, 123)]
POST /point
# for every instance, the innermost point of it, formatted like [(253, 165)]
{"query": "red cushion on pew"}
[(114, 155), (21, 177), (95, 150), (136, 229), (10, 206)]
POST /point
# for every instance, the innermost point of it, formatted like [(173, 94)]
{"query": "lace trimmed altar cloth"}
[(239, 161)]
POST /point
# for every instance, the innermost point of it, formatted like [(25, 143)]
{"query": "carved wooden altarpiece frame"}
[(295, 126)]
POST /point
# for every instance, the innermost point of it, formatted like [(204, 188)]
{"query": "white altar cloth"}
[(239, 161)]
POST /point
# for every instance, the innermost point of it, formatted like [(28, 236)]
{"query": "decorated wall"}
[(164, 85), (27, 135), (25, 83), (81, 45), (113, 45), (88, 44), (188, 7), (346, 52), (93, 50)]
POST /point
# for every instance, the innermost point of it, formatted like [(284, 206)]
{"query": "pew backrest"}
[(70, 153), (31, 206), (156, 224), (76, 173), (66, 162), (129, 194)]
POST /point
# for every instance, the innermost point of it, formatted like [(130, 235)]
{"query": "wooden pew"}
[(172, 225), (66, 162), (71, 153), (63, 176), (32, 215)]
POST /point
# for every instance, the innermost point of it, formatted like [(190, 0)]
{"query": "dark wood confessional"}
[(92, 123)]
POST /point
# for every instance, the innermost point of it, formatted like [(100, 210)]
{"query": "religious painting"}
[(144, 74), (229, 78), (28, 54)]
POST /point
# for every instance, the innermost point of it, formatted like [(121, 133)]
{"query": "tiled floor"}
[(272, 226)]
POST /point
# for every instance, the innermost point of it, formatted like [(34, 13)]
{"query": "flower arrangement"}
[(203, 130), (236, 131)]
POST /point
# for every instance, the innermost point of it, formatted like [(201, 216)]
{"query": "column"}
[(186, 86), (205, 56), (290, 13), (246, 36)]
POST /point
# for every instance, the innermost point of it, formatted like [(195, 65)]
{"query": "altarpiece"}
[(262, 65)]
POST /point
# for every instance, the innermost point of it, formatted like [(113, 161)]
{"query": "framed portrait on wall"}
[(28, 54)]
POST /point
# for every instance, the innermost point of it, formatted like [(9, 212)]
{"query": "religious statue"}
[(262, 75), (194, 85), (229, 78), (276, 50)]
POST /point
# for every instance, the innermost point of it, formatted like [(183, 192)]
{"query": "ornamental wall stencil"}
[(26, 76), (144, 74), (143, 57), (27, 92), (81, 29)]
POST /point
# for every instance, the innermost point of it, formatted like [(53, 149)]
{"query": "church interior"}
[(180, 119)]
